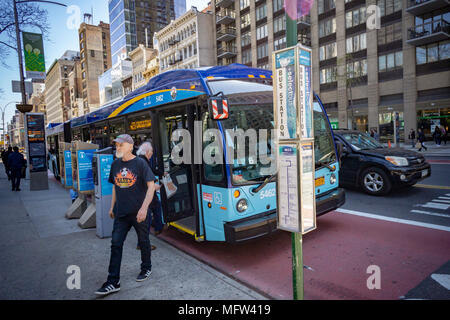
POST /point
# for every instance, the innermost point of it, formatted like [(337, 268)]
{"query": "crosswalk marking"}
[(433, 205), (431, 213), (441, 201), (442, 279), (445, 198)]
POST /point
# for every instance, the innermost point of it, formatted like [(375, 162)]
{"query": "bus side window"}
[(213, 172)]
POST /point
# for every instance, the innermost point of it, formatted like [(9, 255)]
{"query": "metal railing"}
[(429, 28), (412, 3), (227, 49)]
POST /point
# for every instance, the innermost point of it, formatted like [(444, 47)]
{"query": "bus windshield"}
[(247, 117), (324, 151)]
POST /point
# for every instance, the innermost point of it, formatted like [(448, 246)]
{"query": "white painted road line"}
[(435, 205), (379, 217), (441, 201), (442, 279), (444, 198), (431, 213)]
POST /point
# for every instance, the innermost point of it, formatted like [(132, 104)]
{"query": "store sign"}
[(141, 124)]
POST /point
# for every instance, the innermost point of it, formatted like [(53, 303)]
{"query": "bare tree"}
[(352, 77), (30, 17)]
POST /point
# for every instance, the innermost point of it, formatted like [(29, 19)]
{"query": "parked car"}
[(365, 163)]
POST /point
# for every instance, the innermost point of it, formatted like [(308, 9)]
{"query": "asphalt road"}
[(427, 202), (405, 233)]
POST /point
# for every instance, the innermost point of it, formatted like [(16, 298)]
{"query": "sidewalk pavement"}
[(38, 244), (433, 150)]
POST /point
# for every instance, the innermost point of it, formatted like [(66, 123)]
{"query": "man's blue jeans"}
[(120, 230)]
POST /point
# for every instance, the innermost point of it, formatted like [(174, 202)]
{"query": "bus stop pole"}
[(297, 251)]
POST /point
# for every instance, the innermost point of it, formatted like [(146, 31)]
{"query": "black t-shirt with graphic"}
[(130, 179)]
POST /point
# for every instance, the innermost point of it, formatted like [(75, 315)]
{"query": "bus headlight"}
[(332, 178), (242, 205)]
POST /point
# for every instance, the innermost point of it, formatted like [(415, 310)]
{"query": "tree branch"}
[(4, 43)]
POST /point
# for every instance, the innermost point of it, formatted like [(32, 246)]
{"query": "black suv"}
[(376, 169)]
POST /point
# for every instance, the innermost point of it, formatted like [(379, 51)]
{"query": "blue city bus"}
[(54, 135), (213, 202)]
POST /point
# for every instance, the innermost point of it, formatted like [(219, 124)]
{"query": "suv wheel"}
[(374, 181)]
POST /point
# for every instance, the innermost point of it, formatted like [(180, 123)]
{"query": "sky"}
[(63, 36)]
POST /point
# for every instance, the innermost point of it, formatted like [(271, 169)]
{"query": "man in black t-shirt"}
[(133, 191)]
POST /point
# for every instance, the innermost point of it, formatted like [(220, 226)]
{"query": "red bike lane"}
[(339, 252)]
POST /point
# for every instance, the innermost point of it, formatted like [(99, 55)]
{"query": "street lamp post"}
[(19, 45), (3, 119)]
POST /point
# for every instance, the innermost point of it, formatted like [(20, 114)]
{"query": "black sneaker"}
[(108, 288), (143, 275)]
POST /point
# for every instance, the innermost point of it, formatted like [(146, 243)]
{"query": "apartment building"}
[(182, 45), (57, 94), (135, 22), (76, 90), (367, 75), (95, 54), (152, 68), (248, 31), (140, 57)]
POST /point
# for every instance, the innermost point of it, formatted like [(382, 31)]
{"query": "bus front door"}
[(178, 193)]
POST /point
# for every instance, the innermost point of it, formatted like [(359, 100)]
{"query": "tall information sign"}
[(293, 110)]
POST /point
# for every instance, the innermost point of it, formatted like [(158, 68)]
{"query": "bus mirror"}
[(218, 108)]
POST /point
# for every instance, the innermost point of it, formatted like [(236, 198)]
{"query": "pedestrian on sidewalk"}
[(437, 135), (444, 134), (145, 151), (412, 137), (5, 156), (421, 139), (133, 191), (16, 162)]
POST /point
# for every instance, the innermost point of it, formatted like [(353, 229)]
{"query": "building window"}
[(246, 39), (355, 17), (244, 4), (390, 33), (389, 6), (245, 20), (279, 43), (433, 52), (261, 32), (357, 69), (92, 53), (277, 5), (246, 56), (326, 5), (279, 23), (390, 61), (327, 51), (356, 43), (261, 12), (328, 75), (262, 51), (327, 27)]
